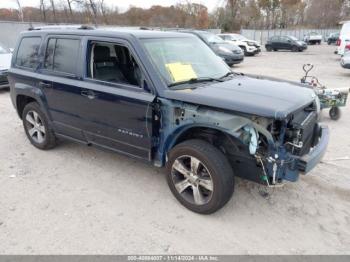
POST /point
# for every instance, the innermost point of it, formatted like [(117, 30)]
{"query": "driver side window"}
[(113, 63)]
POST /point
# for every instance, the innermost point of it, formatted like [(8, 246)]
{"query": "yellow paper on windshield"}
[(181, 72)]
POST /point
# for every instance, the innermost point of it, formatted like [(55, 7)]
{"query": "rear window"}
[(62, 55), (28, 52)]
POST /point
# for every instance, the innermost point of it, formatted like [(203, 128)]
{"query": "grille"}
[(307, 132), (305, 122)]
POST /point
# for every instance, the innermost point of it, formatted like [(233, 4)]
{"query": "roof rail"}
[(60, 27)]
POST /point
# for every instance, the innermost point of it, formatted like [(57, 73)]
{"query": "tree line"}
[(229, 15)]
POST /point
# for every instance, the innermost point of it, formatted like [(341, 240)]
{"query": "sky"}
[(121, 4)]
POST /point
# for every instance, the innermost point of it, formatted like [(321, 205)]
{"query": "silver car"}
[(5, 63), (345, 60)]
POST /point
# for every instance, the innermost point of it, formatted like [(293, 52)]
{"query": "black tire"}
[(295, 49), (268, 48), (48, 138), (219, 171), (335, 113), (244, 50), (275, 49)]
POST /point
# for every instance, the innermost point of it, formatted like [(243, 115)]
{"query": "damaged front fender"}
[(176, 117)]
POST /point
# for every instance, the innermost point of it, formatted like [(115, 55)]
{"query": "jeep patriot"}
[(165, 98)]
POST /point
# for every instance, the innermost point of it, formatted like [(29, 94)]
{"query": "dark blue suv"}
[(165, 98)]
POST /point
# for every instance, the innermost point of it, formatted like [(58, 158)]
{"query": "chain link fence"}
[(263, 35), (10, 31)]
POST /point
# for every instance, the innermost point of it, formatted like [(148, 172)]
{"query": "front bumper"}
[(253, 50), (236, 59), (307, 162), (288, 167)]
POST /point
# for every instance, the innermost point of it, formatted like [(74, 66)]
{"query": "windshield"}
[(211, 38), (183, 59), (3, 49), (240, 37), (294, 38)]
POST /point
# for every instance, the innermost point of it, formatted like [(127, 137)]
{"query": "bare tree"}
[(103, 9), (91, 4), (20, 11), (52, 2), (43, 9)]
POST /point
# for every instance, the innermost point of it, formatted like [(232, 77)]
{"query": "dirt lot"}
[(80, 200)]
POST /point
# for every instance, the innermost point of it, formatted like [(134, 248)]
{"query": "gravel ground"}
[(80, 200)]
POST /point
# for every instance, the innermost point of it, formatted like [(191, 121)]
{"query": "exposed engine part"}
[(266, 177), (254, 136)]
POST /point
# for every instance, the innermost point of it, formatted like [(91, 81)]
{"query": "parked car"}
[(291, 43), (167, 99), (313, 38), (345, 60), (249, 47), (344, 38), (5, 62), (231, 54), (332, 38)]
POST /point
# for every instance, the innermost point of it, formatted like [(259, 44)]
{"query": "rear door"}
[(61, 82)]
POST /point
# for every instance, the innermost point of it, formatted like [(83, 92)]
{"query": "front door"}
[(115, 106)]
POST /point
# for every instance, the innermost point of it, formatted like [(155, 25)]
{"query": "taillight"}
[(347, 47), (339, 42)]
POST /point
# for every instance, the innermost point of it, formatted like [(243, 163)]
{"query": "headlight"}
[(225, 50), (251, 43)]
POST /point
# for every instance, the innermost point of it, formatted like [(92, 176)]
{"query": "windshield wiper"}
[(227, 74), (197, 80)]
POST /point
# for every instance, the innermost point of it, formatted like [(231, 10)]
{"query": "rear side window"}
[(28, 52), (62, 55)]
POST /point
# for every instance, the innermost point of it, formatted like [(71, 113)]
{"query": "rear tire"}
[(37, 127), (244, 50), (200, 176), (335, 113)]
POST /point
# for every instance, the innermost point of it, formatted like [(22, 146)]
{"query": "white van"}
[(344, 38)]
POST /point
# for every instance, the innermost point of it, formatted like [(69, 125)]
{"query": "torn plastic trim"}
[(177, 117)]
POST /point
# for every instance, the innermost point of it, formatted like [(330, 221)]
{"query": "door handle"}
[(45, 84), (89, 94)]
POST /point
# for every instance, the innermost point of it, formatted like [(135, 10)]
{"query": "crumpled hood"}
[(253, 95), (5, 61)]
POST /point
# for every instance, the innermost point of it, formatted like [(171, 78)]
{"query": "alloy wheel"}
[(192, 180), (35, 127)]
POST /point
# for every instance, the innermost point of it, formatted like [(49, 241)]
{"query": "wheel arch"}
[(210, 134), (26, 94)]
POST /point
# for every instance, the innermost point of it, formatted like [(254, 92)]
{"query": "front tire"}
[(335, 113), (200, 176), (37, 128)]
